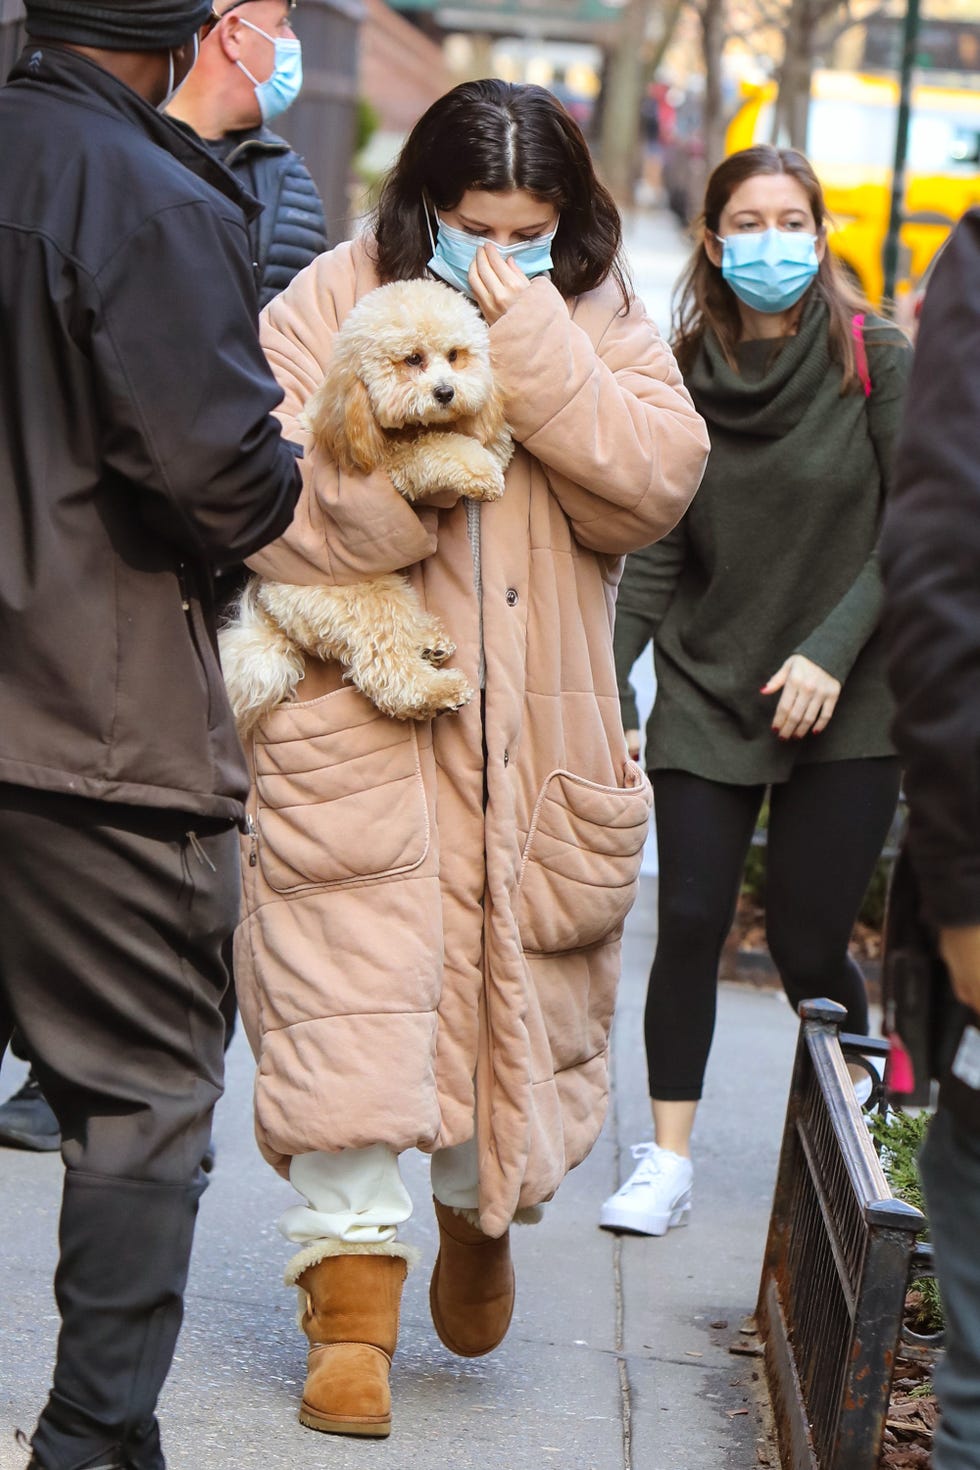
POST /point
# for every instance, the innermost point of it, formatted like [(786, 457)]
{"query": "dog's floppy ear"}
[(341, 419), (488, 425), (322, 414), (364, 440)]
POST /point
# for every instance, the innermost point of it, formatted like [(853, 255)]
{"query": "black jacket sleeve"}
[(187, 391), (931, 564)]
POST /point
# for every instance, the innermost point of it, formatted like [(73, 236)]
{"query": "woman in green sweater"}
[(763, 605)]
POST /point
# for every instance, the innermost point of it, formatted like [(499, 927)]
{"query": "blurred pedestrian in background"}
[(136, 449), (763, 608), (931, 559), (458, 998)]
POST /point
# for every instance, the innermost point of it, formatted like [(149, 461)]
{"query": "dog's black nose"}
[(444, 393)]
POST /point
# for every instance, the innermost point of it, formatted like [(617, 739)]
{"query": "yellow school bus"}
[(851, 143)]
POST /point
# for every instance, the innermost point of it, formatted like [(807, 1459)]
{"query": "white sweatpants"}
[(358, 1195)]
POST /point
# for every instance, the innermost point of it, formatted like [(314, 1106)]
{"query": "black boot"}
[(35, 1464), (125, 1250), (26, 1120)]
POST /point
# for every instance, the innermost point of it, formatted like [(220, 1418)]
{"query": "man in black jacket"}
[(220, 102), (249, 72), (931, 561), (136, 449)]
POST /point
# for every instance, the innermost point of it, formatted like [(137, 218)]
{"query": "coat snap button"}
[(512, 598)]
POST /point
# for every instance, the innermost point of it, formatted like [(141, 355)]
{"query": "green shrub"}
[(754, 879), (367, 122), (873, 908), (754, 876), (899, 1137)]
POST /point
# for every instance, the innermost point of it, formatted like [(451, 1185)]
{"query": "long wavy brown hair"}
[(494, 136), (703, 299)]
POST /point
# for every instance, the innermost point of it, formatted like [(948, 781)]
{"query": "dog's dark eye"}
[(453, 355), (415, 360)]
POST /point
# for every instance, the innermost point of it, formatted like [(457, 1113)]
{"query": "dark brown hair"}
[(704, 300), (495, 136)]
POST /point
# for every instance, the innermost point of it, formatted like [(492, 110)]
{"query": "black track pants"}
[(112, 922), (827, 825)]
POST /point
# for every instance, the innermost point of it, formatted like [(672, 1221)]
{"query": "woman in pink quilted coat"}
[(431, 940)]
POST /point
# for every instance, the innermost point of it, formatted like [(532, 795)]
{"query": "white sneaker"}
[(655, 1197), (862, 1083), (863, 1087)]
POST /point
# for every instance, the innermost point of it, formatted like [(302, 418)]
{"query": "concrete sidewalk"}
[(616, 1359), (657, 249)]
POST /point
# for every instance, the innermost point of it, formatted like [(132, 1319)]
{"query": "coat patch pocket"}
[(582, 860), (340, 794)]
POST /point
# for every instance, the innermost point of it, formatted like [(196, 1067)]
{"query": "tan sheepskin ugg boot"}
[(471, 1295), (351, 1321)]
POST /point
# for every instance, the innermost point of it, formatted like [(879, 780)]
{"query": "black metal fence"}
[(836, 1265), (321, 125)]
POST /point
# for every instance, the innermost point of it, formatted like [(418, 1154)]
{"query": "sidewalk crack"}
[(625, 1393), (619, 1337)]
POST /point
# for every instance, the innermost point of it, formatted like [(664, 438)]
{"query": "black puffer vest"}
[(291, 230)]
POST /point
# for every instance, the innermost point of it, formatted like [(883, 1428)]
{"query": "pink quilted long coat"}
[(419, 949)]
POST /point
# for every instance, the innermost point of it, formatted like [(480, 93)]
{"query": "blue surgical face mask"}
[(282, 88), (771, 269), (453, 252)]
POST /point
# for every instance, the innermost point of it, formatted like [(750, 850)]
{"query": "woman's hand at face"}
[(496, 282), (808, 700)]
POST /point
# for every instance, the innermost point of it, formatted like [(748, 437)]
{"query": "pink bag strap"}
[(860, 353)]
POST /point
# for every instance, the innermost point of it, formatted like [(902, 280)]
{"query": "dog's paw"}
[(485, 484), (427, 693), (435, 644), (440, 654), (450, 694)]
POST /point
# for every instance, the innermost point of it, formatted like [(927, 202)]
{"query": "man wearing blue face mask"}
[(250, 70)]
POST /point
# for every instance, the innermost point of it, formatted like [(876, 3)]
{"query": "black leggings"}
[(827, 825)]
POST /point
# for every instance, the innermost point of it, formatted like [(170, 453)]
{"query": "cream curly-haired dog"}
[(409, 389)]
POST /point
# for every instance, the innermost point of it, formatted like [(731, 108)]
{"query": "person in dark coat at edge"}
[(249, 70), (931, 564), (137, 448)]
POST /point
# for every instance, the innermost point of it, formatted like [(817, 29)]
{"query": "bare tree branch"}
[(832, 35)]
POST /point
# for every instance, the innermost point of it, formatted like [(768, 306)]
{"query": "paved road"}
[(657, 250), (615, 1360)]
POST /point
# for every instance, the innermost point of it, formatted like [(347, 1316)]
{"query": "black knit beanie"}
[(117, 25)]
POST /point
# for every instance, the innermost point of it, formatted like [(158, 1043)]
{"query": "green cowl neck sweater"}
[(775, 384), (776, 555)]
